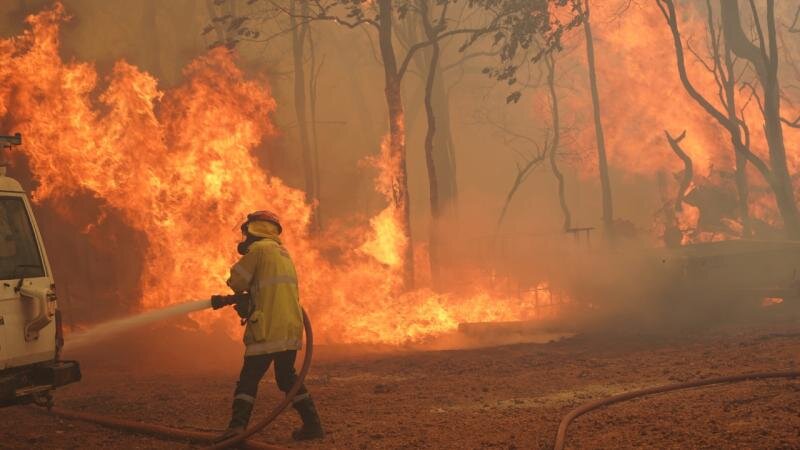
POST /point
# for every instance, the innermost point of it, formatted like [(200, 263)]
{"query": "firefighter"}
[(274, 323)]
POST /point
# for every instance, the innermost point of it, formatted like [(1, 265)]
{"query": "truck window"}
[(19, 253)]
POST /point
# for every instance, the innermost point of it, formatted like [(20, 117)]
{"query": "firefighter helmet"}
[(267, 216)]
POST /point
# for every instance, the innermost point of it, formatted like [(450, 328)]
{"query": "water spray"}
[(216, 302), (113, 327)]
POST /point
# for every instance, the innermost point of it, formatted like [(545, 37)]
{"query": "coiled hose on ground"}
[(241, 439), (561, 436), (199, 436)]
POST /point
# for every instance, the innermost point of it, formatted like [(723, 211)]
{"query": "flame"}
[(179, 165), (386, 241), (641, 96), (175, 174)]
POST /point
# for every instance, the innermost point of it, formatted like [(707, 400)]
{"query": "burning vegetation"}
[(180, 167), (173, 166), (612, 185)]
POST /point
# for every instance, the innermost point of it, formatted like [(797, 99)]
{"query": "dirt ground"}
[(506, 397)]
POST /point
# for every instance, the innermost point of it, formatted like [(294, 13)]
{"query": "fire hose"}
[(595, 404), (286, 400), (560, 441), (199, 436)]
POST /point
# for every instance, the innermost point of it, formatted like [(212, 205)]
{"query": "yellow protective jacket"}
[(268, 274)]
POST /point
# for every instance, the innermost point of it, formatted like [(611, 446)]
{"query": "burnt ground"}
[(507, 397)]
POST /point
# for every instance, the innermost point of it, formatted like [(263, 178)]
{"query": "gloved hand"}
[(243, 305), (220, 301)]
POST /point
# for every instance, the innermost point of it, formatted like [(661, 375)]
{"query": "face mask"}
[(244, 246), (247, 241)]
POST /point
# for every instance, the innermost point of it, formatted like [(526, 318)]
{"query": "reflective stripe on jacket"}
[(267, 272)]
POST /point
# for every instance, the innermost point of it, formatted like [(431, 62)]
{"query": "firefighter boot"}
[(239, 419), (312, 427)]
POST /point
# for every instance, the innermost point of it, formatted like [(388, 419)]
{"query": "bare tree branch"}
[(667, 8), (420, 45), (753, 94), (688, 172), (794, 27), (324, 16), (794, 124), (522, 174), (467, 57), (762, 44), (550, 63)]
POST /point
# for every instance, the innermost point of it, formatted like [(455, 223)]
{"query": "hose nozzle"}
[(221, 301)]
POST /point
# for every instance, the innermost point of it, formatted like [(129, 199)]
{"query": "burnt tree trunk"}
[(764, 58), (743, 191), (672, 234), (312, 104), (430, 136), (602, 160), (688, 167), (397, 138), (444, 149), (298, 52), (551, 83), (736, 127), (444, 156), (438, 143), (742, 186)]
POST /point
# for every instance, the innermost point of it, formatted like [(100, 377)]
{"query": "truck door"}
[(29, 331)]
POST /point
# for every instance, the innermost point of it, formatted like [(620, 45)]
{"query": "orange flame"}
[(386, 242), (179, 166), (641, 96)]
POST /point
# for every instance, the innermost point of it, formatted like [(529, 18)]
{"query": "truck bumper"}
[(35, 382), (57, 374)]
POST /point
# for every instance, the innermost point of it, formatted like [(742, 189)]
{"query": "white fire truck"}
[(30, 323)]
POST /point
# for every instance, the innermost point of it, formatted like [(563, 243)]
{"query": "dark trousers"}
[(255, 367)]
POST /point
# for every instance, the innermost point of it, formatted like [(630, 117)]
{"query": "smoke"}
[(179, 166), (627, 284)]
